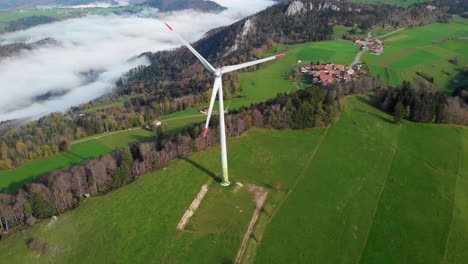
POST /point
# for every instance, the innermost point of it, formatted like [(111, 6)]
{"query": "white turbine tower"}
[(218, 88)]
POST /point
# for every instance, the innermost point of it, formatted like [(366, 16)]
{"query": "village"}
[(330, 73), (375, 46)]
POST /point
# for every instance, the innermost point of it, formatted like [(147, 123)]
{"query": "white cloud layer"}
[(100, 43)]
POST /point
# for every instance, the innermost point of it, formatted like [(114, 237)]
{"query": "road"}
[(395, 31), (359, 55), (364, 49)]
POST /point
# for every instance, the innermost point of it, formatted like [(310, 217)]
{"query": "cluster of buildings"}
[(329, 73), (375, 46)]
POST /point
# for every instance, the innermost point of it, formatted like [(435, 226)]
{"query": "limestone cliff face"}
[(295, 7), (249, 26), (298, 7)]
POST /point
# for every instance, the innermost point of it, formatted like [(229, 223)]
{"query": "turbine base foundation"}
[(225, 183)]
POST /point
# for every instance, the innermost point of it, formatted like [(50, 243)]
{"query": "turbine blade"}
[(205, 63), (231, 68), (217, 85)]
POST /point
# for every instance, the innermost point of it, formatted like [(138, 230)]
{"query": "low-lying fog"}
[(104, 47)]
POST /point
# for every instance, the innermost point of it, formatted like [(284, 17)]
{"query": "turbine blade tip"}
[(279, 56), (205, 131), (167, 25)]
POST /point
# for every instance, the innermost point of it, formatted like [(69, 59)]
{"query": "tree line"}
[(417, 102)]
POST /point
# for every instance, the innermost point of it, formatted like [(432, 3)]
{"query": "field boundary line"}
[(395, 151), (301, 176), (101, 136), (444, 258)]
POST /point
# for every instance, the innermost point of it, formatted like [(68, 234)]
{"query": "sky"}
[(106, 44)]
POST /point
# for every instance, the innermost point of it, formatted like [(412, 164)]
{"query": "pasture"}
[(365, 190), (423, 49)]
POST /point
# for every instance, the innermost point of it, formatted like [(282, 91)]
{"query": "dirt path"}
[(130, 129), (101, 136), (395, 31), (260, 196), (192, 208)]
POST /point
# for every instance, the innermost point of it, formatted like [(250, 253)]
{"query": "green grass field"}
[(423, 49), (368, 191)]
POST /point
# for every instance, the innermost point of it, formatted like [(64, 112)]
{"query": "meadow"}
[(375, 192), (423, 49), (365, 190)]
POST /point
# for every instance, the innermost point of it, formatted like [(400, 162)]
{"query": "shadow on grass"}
[(205, 170), (388, 120), (373, 102)]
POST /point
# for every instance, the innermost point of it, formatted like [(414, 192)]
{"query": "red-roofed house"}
[(321, 67), (327, 79), (376, 51), (319, 73), (360, 42), (335, 72), (340, 67), (378, 41), (156, 123), (329, 67)]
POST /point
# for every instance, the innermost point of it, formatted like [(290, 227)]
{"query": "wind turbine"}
[(218, 88)]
